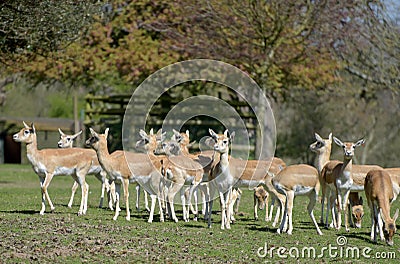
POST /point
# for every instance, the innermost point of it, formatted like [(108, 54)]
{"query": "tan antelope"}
[(379, 192), (323, 148), (47, 163), (141, 168), (328, 180), (356, 209), (209, 159), (359, 172), (260, 197), (343, 178), (231, 173), (293, 181), (395, 176), (180, 170), (67, 141)]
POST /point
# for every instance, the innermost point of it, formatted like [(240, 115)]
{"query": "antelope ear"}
[(361, 201), (25, 125), (143, 134), (163, 136), (92, 132), (396, 215), (232, 136), (175, 131), (213, 134), (360, 142), (33, 129), (187, 133), (76, 135), (151, 132), (330, 136), (61, 133), (318, 137), (338, 142)]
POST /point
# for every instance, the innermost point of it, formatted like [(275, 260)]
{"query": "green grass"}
[(63, 237)]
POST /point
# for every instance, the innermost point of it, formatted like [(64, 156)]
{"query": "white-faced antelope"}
[(48, 163), (67, 141)]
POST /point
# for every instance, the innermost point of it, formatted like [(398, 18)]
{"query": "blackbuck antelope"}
[(293, 181), (67, 141), (322, 147), (356, 209), (260, 201), (180, 170), (207, 159), (127, 167), (343, 178), (325, 167), (47, 163), (359, 172), (231, 173), (395, 176), (277, 165), (379, 192)]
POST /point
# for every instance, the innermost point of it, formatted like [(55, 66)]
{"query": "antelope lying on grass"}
[(379, 193), (47, 163), (130, 167), (67, 141)]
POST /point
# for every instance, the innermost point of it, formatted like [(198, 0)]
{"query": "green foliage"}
[(61, 105), (119, 50), (34, 28)]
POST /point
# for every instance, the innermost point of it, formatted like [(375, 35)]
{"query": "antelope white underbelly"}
[(302, 190), (64, 171)]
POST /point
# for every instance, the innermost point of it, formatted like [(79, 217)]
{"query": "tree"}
[(35, 28)]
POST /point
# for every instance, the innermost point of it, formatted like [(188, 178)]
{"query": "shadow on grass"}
[(258, 228), (27, 212), (365, 236)]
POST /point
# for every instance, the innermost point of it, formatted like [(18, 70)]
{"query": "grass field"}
[(63, 237)]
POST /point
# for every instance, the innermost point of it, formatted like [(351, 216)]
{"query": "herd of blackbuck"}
[(166, 168)]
